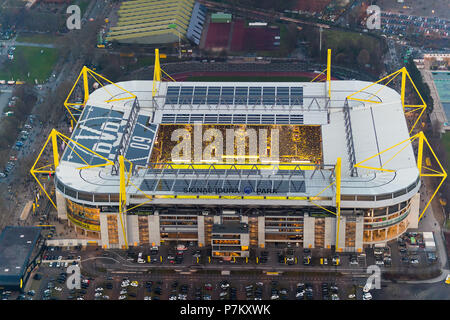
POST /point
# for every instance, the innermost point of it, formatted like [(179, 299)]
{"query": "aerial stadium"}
[(231, 166)]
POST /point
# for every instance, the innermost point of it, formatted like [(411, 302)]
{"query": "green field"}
[(36, 38), (29, 60), (248, 79)]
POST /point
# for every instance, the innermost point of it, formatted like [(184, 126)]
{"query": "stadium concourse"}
[(283, 190)]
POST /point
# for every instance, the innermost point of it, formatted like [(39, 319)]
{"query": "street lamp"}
[(174, 26)]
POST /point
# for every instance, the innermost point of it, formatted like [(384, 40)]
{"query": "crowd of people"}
[(296, 142)]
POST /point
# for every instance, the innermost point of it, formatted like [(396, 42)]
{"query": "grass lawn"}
[(248, 79), (30, 60), (334, 38), (37, 38)]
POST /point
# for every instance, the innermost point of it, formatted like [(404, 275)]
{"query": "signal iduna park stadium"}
[(301, 183)]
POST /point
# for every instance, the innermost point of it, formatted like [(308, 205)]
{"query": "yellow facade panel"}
[(139, 35), (169, 7), (160, 21), (139, 3), (153, 17)]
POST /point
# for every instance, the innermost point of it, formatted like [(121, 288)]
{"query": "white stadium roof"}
[(375, 127)]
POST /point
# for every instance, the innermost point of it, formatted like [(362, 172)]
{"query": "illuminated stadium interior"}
[(297, 144)]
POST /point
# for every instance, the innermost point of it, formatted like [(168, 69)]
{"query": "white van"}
[(367, 296), (139, 259)]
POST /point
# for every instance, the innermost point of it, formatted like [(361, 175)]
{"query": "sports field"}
[(248, 78), (35, 61)]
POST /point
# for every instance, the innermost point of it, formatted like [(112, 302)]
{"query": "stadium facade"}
[(233, 199)]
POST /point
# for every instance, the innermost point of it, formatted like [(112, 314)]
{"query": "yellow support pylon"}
[(319, 75), (84, 73), (337, 183), (420, 166), (157, 73), (51, 168), (125, 181), (405, 75), (157, 69), (122, 196), (329, 72), (338, 198)]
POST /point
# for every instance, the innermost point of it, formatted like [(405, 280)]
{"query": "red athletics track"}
[(184, 75)]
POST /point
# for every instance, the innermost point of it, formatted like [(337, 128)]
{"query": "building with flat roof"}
[(20, 248), (220, 17), (190, 174)]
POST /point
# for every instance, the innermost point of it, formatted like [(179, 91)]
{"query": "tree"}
[(363, 57)]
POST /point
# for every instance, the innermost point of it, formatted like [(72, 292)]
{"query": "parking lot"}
[(273, 256), (189, 287), (161, 273)]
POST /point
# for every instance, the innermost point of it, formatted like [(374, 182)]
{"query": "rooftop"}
[(16, 247), (374, 127)]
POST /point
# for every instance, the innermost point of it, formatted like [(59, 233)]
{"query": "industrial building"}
[(20, 249), (158, 22), (314, 164)]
